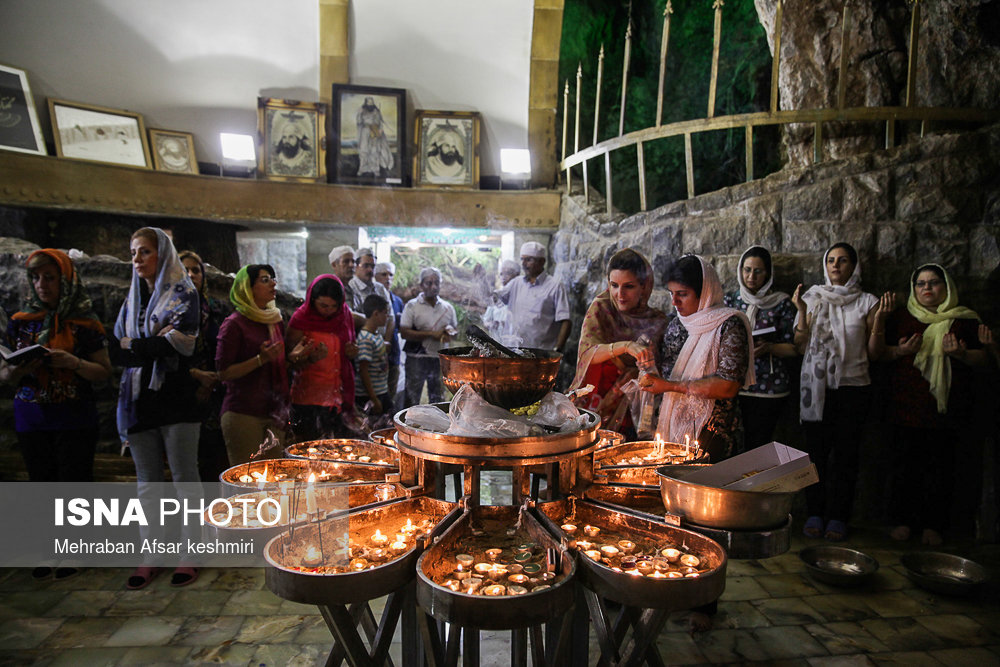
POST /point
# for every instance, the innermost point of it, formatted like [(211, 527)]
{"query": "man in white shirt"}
[(539, 307), (363, 285), (427, 324)]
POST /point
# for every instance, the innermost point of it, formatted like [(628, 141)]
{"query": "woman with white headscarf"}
[(706, 358), (831, 329), (772, 318), (930, 395), (158, 413)]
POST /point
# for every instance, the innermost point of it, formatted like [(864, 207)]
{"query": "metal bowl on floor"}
[(509, 383), (838, 566), (944, 573)]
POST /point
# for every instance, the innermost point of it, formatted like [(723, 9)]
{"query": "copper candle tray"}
[(269, 473), (636, 462), (345, 450)]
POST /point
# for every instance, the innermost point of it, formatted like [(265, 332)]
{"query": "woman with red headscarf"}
[(323, 382), (609, 341), (55, 411)]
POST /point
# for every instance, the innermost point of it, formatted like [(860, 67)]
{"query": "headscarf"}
[(173, 302), (682, 414), (931, 360), (604, 324), (827, 347), (74, 307), (241, 294), (203, 301), (306, 318), (761, 300)]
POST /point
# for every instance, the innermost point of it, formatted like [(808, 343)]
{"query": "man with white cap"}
[(342, 263), (538, 303)]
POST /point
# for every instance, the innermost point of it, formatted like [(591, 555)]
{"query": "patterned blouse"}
[(725, 424), (773, 376)]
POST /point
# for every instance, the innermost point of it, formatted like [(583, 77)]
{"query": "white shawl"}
[(761, 300), (684, 414)]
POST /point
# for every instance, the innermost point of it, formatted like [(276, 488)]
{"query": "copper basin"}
[(509, 383)]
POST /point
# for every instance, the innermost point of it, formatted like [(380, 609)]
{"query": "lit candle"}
[(453, 584), (482, 568), (378, 555), (692, 575), (461, 574), (626, 546), (311, 450), (674, 575), (568, 528), (359, 564), (531, 568), (518, 579), (409, 528), (464, 560), (516, 590), (661, 564), (609, 551), (688, 570), (645, 566), (593, 554), (494, 590), (497, 572), (384, 491), (658, 575), (398, 548), (671, 554), (690, 560), (584, 545), (378, 539), (633, 572), (493, 554), (591, 531), (311, 495), (312, 557), (472, 584), (246, 479)]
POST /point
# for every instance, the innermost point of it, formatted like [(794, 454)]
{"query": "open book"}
[(23, 355)]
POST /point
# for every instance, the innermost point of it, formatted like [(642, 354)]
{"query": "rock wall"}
[(958, 63)]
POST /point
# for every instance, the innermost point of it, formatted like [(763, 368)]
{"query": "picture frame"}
[(292, 139), (99, 134), (368, 126), (19, 127), (173, 151), (447, 149)]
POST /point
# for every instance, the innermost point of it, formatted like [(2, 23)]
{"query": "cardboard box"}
[(774, 468)]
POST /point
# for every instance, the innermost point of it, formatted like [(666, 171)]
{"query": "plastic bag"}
[(642, 406), (471, 415), (557, 411), (428, 418)]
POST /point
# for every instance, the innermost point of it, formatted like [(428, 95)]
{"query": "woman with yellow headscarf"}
[(936, 346)]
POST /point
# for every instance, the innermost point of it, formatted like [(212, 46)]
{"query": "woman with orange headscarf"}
[(55, 410), (610, 340)]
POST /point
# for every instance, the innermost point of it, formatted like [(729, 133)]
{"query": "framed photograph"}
[(293, 139), (19, 128), (368, 125), (99, 134), (173, 151), (447, 149)]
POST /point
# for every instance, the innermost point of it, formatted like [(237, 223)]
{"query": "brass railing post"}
[(640, 157), (749, 142), (664, 42), (689, 164), (716, 36)]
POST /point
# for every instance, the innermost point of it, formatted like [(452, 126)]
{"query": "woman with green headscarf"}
[(930, 395), (250, 358)]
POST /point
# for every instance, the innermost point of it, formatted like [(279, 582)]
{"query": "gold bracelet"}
[(805, 330), (876, 333)]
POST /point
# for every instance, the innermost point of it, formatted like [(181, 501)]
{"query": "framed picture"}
[(173, 151), (99, 134), (368, 125), (293, 139), (19, 128), (447, 149)]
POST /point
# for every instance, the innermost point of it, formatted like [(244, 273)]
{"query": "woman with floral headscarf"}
[(55, 409), (706, 359), (937, 345), (158, 414), (250, 359), (831, 329), (772, 318), (609, 340)]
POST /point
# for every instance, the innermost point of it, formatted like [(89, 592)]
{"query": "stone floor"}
[(771, 612)]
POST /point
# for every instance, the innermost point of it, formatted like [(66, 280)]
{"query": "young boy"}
[(373, 366)]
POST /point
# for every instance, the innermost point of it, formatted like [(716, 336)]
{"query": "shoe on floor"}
[(931, 538), (813, 527), (836, 531), (900, 533), (40, 573), (141, 577), (66, 572), (184, 576)]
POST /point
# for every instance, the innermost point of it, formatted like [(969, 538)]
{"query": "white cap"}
[(533, 249), (364, 251), (385, 266), (339, 252)]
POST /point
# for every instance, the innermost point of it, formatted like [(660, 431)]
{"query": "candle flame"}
[(265, 472), (312, 477), (378, 534), (312, 553)]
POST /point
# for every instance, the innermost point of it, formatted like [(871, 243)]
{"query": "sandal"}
[(900, 533), (184, 576), (66, 572), (813, 527), (836, 531), (41, 573), (141, 577)]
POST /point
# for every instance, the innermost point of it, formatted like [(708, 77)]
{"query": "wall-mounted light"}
[(239, 156), (515, 168)]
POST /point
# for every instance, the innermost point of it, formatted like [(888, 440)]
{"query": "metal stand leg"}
[(343, 622), (519, 648)]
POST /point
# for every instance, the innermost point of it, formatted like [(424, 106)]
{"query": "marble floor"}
[(772, 612)]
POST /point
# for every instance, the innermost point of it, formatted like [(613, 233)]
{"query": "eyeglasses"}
[(266, 280), (368, 265), (920, 284)]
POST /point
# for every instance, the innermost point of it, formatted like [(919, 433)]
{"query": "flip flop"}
[(141, 577), (184, 576), (836, 531), (813, 527), (41, 573)]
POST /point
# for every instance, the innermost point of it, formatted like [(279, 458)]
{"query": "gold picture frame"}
[(173, 151), (19, 127), (447, 149), (292, 139), (99, 134)]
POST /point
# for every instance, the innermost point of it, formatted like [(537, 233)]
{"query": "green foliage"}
[(743, 85)]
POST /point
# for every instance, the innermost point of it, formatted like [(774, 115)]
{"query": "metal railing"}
[(890, 115)]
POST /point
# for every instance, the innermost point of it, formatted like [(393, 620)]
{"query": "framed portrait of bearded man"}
[(447, 153), (368, 132), (292, 137)]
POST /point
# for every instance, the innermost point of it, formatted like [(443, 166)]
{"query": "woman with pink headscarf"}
[(706, 358)]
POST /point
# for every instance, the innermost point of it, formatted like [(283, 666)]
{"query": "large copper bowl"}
[(509, 383), (722, 508)]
